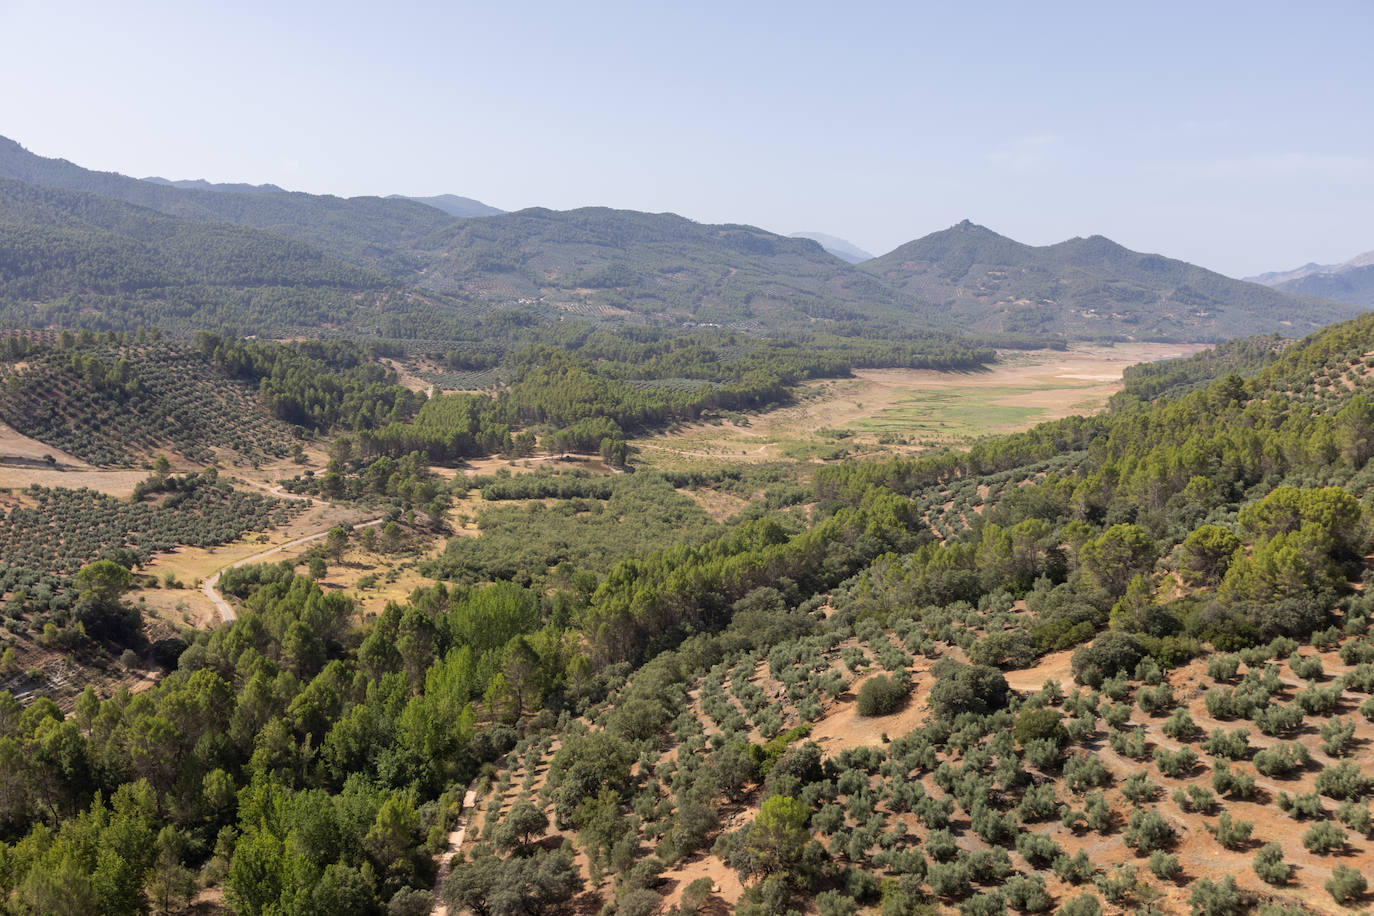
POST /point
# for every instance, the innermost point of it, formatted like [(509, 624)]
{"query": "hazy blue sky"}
[(1239, 136)]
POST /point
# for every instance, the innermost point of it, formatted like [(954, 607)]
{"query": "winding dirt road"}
[(209, 587)]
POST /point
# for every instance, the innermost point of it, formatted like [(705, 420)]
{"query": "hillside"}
[(598, 261), (78, 259), (369, 231), (1088, 288), (1353, 284), (227, 187), (845, 251), (1114, 660), (1277, 278), (453, 205)]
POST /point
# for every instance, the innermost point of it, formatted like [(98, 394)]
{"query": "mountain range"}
[(1087, 287), (845, 251), (167, 241), (1352, 281)]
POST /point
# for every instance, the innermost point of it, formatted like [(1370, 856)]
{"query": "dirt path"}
[(211, 591), (455, 843)]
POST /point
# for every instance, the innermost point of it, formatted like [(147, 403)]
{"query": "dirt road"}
[(226, 612)]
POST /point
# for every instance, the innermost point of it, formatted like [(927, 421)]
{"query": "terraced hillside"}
[(116, 406)]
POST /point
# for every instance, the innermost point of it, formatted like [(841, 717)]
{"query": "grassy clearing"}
[(903, 411)]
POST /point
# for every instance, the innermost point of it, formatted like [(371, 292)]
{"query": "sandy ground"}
[(1034, 385), (23, 462)]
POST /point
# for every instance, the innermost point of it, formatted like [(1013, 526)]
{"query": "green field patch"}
[(952, 412)]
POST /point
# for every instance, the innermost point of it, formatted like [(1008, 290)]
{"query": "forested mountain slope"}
[(1354, 285), (78, 259), (370, 231), (619, 266), (602, 261), (1084, 288), (454, 205)]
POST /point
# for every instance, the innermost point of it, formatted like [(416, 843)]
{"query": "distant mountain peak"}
[(840, 248), (453, 205), (1276, 278), (230, 187), (1085, 288)]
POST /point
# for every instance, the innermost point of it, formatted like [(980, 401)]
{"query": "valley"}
[(893, 412), (390, 555)]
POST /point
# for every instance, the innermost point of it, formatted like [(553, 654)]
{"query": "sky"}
[(1238, 136)]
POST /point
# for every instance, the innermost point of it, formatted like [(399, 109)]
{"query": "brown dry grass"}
[(1020, 390)]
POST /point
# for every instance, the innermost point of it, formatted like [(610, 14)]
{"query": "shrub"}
[(1154, 700), (1027, 893), (949, 879), (1233, 834), (1176, 764), (1147, 831), (1279, 720), (1138, 788), (1307, 667), (1223, 667), (1180, 725), (959, 688), (1117, 884), (1165, 865), (1111, 653), (1346, 885), (1220, 898), (1083, 771), (1230, 745), (1037, 848), (1073, 869), (1042, 723), (1234, 784), (1269, 864), (1082, 905), (1337, 733), (881, 695), (1356, 817), (1323, 839), (1345, 780), (1281, 759), (1304, 805)]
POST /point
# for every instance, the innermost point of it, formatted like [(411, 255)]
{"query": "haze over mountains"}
[(453, 205), (1352, 281), (845, 251), (611, 265)]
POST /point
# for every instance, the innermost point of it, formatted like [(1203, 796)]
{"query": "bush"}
[(1176, 764), (1229, 745), (1220, 898), (1343, 781), (1109, 654), (1323, 839), (1337, 733), (1346, 885), (1165, 865), (1082, 905), (1282, 759), (1269, 865), (1154, 700), (881, 695), (1232, 834), (1039, 724), (960, 688), (1180, 725), (1147, 831), (1027, 893)]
